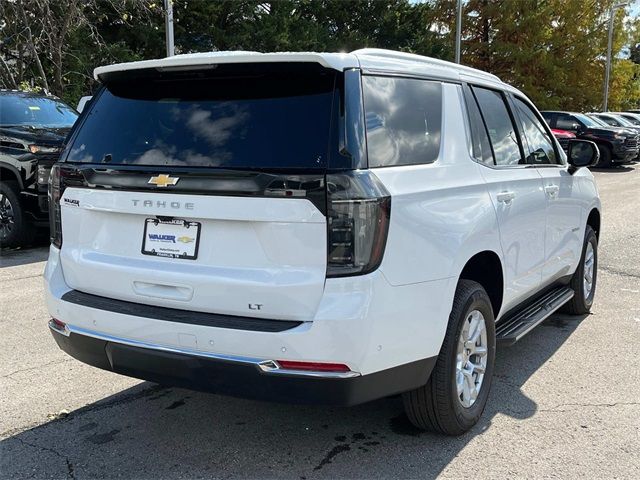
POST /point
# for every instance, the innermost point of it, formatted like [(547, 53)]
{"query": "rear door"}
[(517, 196), (204, 191)]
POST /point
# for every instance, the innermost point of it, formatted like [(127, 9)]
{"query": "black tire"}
[(436, 405), (581, 304), (605, 156), (15, 228)]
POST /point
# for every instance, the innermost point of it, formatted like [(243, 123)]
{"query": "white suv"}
[(316, 228)]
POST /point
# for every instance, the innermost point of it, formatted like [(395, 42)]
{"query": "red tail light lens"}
[(58, 324), (358, 211), (56, 189), (313, 366)]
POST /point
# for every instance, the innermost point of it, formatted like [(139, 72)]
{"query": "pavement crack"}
[(13, 279), (70, 468), (615, 271), (559, 408), (54, 362), (567, 407)]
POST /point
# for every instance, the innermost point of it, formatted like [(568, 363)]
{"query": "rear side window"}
[(502, 132), (231, 119), (634, 120), (541, 151), (403, 118)]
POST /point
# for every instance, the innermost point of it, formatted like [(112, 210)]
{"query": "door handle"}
[(552, 190), (506, 197)]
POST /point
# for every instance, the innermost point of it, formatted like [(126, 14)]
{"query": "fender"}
[(7, 163)]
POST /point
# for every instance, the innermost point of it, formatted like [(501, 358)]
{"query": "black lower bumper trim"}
[(241, 380), (252, 324)]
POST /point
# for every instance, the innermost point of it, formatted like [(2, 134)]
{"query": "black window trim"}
[(503, 94), (469, 96), (509, 167), (546, 127)]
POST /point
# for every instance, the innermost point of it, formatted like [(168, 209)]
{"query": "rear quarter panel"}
[(441, 213)]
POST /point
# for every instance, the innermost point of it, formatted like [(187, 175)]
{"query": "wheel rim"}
[(7, 217), (471, 358), (589, 268)]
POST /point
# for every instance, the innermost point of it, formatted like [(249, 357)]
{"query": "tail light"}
[(358, 210), (56, 189), (313, 366)]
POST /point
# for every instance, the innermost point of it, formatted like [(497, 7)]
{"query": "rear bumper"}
[(387, 335), (241, 377)]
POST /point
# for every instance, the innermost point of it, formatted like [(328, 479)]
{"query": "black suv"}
[(615, 145), (33, 128)]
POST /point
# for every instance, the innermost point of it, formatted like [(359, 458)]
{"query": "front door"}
[(563, 242)]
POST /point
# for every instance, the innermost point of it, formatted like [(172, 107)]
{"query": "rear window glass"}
[(403, 118), (237, 120)]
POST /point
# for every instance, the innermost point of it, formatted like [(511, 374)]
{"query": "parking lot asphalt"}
[(564, 402)]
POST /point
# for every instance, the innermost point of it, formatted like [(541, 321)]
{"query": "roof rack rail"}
[(412, 57)]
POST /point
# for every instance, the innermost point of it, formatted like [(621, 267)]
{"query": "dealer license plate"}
[(171, 238)]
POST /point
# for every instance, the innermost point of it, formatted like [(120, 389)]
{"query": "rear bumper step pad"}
[(177, 315), (517, 325)]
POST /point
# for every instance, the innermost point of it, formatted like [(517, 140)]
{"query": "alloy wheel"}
[(7, 217), (471, 358), (589, 265)]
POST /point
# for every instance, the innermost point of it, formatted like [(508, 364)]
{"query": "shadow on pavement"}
[(12, 257), (150, 431), (614, 169)]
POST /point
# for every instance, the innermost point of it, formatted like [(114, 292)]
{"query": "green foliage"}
[(553, 50)]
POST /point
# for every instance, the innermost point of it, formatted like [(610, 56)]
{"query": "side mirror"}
[(582, 153), (576, 127)]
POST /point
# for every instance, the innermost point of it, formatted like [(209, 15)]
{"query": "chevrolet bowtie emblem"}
[(163, 180)]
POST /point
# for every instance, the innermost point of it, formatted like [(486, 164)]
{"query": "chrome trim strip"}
[(54, 327), (269, 367)]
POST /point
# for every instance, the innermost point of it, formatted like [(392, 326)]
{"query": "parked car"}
[(629, 130), (634, 111), (615, 146), (615, 120), (316, 228), (32, 130), (634, 118), (563, 138)]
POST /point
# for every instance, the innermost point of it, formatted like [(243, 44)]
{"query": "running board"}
[(517, 325)]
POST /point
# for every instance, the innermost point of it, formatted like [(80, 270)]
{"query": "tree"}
[(48, 43)]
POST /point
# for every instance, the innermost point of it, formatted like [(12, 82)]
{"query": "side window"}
[(479, 137), (547, 118), (609, 120), (403, 118), (566, 122), (541, 151), (502, 132)]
